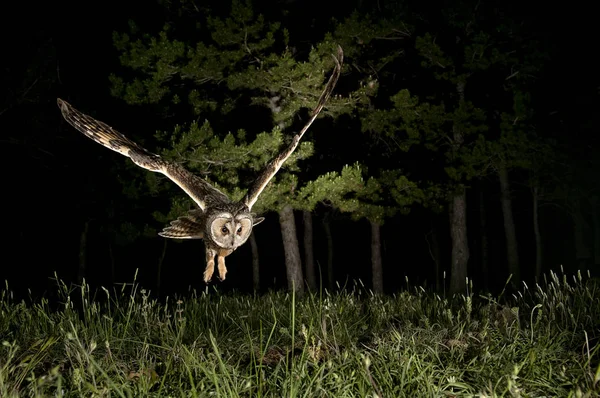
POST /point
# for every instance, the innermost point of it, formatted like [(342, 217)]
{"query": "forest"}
[(458, 145), (450, 149)]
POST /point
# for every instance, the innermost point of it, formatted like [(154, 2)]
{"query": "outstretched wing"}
[(275, 164), (199, 190)]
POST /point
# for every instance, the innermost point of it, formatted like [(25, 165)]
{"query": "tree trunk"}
[(329, 239), (538, 235), (82, 270), (293, 265), (309, 257), (460, 244), (512, 251), (435, 252), (485, 264), (255, 263), (458, 215), (161, 260), (596, 225), (582, 249), (376, 264), (111, 255)]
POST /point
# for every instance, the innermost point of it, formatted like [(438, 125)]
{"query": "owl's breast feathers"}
[(225, 252)]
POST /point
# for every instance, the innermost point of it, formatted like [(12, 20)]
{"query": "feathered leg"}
[(222, 267), (210, 264)]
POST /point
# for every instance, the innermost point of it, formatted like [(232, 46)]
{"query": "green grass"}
[(540, 342)]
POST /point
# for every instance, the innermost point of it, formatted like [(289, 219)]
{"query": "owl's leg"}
[(222, 267), (210, 264)]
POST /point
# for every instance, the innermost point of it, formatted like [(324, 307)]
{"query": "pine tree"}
[(240, 66)]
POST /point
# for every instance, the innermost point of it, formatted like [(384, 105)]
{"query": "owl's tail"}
[(183, 228)]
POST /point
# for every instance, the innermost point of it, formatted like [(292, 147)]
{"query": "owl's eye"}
[(239, 231), (225, 230)]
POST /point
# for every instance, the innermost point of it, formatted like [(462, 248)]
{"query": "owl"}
[(223, 224)]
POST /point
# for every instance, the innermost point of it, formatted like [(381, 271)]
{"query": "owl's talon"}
[(208, 274), (222, 273)]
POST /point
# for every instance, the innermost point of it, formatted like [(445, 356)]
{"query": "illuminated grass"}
[(542, 341)]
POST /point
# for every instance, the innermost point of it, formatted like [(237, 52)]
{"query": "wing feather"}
[(185, 227), (198, 189), (275, 164)]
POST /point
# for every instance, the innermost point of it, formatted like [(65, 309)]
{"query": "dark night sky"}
[(49, 167)]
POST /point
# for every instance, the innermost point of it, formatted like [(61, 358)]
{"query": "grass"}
[(540, 342)]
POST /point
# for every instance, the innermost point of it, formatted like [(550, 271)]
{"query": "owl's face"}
[(229, 231)]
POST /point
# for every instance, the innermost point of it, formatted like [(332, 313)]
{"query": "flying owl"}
[(224, 225)]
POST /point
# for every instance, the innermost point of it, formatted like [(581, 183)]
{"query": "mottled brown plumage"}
[(223, 224)]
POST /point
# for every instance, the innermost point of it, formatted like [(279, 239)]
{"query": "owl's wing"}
[(198, 189), (275, 164), (190, 226)]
